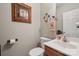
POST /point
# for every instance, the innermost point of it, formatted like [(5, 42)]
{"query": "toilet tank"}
[(43, 40)]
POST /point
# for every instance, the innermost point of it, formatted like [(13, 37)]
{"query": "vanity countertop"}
[(69, 48)]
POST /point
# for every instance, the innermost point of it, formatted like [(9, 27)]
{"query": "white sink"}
[(66, 45), (69, 46)]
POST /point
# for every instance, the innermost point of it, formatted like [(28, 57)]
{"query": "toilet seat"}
[(36, 52)]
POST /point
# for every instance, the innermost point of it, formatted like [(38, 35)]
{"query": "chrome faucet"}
[(64, 38)]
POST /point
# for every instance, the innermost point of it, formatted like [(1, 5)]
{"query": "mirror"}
[(67, 15)]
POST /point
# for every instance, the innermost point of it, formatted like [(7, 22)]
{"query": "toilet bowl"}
[(39, 51), (36, 52)]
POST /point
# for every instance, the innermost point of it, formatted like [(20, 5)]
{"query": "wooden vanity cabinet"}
[(52, 52)]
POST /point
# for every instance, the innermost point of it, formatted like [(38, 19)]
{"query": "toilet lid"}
[(36, 51)]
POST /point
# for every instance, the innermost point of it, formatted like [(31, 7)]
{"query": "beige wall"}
[(49, 8), (64, 7), (27, 34)]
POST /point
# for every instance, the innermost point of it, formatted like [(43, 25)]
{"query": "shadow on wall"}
[(7, 46)]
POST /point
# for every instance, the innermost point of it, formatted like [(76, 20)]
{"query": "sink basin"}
[(69, 46), (66, 45)]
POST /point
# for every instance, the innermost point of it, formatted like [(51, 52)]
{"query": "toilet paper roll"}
[(12, 41)]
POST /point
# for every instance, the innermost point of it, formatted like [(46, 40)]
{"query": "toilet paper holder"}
[(8, 41)]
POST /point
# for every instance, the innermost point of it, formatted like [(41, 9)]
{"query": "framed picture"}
[(21, 13)]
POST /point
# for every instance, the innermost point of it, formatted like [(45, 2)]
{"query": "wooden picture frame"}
[(21, 13)]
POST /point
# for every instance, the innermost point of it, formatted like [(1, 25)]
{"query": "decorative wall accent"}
[(21, 13), (51, 20), (52, 23), (46, 17)]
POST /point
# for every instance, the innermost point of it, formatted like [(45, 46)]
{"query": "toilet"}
[(39, 51)]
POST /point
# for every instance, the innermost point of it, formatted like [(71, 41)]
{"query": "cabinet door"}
[(52, 52)]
